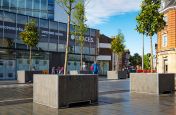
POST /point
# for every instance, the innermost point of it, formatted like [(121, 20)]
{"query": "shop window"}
[(10, 74), (20, 61), (1, 75), (37, 62), (28, 61), (1, 15), (10, 63), (44, 62), (1, 63)]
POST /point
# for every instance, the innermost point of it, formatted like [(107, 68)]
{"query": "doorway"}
[(165, 65)]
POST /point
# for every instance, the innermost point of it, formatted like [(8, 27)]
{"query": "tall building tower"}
[(166, 48)]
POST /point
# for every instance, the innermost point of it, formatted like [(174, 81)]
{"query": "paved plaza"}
[(114, 99)]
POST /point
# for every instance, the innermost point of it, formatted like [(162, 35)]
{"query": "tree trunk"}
[(143, 52), (67, 45), (151, 58), (30, 59), (81, 57), (117, 63)]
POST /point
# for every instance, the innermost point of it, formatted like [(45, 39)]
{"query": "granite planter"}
[(26, 76), (152, 83), (114, 75), (62, 90)]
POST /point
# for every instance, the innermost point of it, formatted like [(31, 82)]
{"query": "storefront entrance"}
[(165, 66)]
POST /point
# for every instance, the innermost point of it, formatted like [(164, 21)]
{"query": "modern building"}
[(46, 9), (166, 46), (36, 8), (104, 57), (107, 59), (50, 51)]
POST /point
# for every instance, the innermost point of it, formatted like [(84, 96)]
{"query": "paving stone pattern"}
[(114, 99)]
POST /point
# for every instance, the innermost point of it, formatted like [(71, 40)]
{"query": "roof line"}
[(168, 8)]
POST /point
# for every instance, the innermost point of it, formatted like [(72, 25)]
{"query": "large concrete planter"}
[(26, 76), (114, 75), (61, 91), (152, 83)]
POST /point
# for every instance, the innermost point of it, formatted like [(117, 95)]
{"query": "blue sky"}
[(118, 15)]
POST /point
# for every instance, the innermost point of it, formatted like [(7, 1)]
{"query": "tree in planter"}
[(117, 46), (140, 29), (68, 6), (80, 27), (151, 20), (30, 36)]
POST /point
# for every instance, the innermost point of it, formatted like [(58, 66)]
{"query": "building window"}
[(165, 18), (9, 17), (164, 40), (1, 75), (10, 74), (21, 19)]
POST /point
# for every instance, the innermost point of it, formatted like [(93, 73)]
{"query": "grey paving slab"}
[(15, 93), (114, 99)]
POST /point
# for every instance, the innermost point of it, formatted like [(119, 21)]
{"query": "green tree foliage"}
[(150, 21), (117, 45), (30, 37), (80, 26), (135, 60), (68, 6), (146, 62)]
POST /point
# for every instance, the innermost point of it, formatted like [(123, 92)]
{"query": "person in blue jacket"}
[(95, 68)]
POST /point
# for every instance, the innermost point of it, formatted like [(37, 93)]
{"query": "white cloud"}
[(99, 11)]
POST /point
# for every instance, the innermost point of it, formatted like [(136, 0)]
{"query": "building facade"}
[(104, 57), (166, 46), (50, 50), (46, 9), (36, 8), (107, 59)]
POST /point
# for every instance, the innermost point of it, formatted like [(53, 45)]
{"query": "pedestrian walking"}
[(95, 68)]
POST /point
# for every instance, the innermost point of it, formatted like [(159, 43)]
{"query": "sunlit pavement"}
[(114, 99)]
